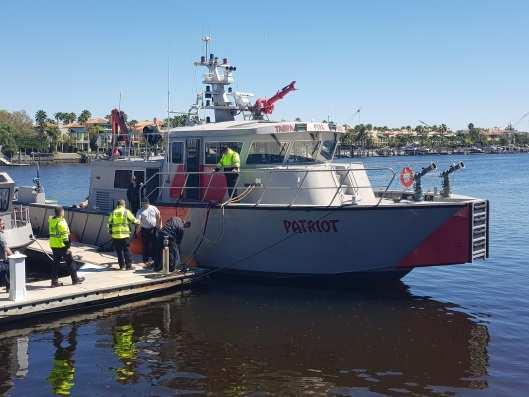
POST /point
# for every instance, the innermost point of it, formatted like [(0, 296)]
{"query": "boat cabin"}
[(282, 163)]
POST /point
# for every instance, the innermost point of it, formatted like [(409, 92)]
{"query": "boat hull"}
[(301, 242), (358, 242)]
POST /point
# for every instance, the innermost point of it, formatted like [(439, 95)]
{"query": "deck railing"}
[(19, 216), (343, 179)]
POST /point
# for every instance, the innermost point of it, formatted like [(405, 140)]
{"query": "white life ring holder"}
[(407, 177)]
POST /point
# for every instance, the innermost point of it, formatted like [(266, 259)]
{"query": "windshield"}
[(328, 147), (304, 152)]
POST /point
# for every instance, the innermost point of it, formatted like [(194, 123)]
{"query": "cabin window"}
[(213, 150), (122, 178), (328, 146), (4, 199), (304, 152), (267, 153), (177, 152)]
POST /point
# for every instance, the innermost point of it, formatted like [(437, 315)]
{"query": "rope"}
[(43, 250)]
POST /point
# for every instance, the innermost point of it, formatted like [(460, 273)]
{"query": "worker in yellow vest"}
[(230, 163), (119, 222), (60, 246)]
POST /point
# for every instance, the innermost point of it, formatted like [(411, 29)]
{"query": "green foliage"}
[(7, 139), (84, 116), (40, 119), (177, 121)]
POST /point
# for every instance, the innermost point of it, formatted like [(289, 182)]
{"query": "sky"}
[(450, 61)]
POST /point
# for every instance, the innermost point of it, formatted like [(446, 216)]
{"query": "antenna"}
[(168, 95), (206, 40), (119, 103)]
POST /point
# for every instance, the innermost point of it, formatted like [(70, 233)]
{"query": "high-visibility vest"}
[(62, 377), (119, 221), (230, 159), (59, 232)]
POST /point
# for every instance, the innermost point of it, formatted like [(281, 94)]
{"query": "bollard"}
[(165, 256), (17, 276)]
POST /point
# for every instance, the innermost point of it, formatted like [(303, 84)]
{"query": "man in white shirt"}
[(150, 219)]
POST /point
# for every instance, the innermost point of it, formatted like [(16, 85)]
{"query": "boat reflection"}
[(233, 339)]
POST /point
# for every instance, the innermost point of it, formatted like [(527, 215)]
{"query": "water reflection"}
[(125, 350), (61, 377), (234, 340)]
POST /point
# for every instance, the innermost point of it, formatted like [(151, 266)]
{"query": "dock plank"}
[(103, 282)]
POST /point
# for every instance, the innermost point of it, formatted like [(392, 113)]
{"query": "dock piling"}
[(17, 276), (165, 257)]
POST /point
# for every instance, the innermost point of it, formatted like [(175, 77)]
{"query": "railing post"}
[(299, 188), (17, 276), (338, 188)]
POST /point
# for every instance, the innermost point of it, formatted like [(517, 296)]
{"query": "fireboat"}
[(296, 211)]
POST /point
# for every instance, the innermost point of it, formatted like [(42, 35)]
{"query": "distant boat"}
[(476, 150)]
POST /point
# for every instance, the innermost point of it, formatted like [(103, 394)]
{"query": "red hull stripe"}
[(448, 244)]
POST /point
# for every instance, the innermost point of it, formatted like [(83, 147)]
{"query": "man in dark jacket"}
[(133, 195), (173, 229)]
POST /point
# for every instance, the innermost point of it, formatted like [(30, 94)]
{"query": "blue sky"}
[(400, 61)]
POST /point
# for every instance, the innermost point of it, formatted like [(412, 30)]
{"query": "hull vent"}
[(480, 230), (103, 201)]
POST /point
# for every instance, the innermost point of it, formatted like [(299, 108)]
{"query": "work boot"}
[(55, 284), (78, 281)]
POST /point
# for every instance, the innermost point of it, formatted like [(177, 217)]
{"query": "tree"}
[(84, 116), (71, 117), (53, 133), (40, 119), (7, 139)]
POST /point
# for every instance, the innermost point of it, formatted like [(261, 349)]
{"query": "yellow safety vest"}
[(61, 377), (59, 232), (119, 221), (230, 159)]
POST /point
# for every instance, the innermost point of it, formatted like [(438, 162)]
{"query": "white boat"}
[(18, 231), (295, 212)]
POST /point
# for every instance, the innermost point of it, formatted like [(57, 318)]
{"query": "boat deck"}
[(104, 283)]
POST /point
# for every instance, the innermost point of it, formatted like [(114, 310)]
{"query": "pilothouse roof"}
[(258, 127)]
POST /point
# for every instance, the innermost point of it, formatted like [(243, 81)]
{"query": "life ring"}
[(407, 177)]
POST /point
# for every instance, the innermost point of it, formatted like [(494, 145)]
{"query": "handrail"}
[(19, 216), (268, 173)]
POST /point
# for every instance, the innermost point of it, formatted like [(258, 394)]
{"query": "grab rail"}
[(265, 187), (19, 216)]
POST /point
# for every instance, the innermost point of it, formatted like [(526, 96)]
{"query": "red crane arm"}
[(119, 127), (266, 106)]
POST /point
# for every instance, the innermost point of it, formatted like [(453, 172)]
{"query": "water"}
[(459, 330)]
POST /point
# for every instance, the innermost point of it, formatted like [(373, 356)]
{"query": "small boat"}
[(295, 211), (18, 231)]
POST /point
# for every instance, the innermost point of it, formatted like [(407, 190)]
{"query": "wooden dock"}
[(104, 283)]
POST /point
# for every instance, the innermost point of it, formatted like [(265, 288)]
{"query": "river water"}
[(459, 330)]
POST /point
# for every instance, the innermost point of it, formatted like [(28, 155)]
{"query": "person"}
[(150, 220), (133, 195), (119, 222), (60, 246), (5, 251), (173, 230), (230, 164)]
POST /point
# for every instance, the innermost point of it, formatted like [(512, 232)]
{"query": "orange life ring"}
[(407, 177)]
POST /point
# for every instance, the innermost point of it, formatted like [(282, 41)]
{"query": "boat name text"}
[(307, 226)]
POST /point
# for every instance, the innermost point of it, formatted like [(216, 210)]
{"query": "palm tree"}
[(84, 116), (40, 119)]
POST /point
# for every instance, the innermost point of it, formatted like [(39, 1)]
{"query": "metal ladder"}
[(480, 230)]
